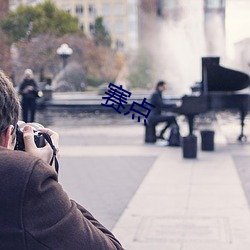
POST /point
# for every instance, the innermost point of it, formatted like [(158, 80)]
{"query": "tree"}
[(93, 64), (100, 33), (42, 18)]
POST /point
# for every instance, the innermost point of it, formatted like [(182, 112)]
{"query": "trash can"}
[(207, 140), (189, 146)]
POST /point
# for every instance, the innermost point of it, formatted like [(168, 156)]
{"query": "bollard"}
[(189, 146), (207, 140), (150, 133)]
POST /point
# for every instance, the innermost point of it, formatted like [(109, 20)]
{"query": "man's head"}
[(161, 86), (9, 112)]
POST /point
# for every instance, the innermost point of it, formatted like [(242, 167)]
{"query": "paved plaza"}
[(149, 195)]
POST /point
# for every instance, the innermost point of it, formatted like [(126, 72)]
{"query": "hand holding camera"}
[(41, 142), (38, 137)]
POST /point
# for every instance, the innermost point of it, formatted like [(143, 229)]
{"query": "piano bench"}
[(150, 133)]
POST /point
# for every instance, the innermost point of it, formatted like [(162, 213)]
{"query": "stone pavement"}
[(189, 204), (184, 204)]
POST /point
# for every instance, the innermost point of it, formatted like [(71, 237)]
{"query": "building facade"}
[(120, 18)]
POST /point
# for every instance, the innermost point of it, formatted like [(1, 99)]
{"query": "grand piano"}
[(220, 89)]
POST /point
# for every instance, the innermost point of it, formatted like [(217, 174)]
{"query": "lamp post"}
[(64, 51)]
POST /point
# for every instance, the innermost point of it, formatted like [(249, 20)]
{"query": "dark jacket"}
[(36, 214), (32, 93), (156, 99)]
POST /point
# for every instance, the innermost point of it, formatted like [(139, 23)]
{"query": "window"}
[(82, 26), (215, 4), (91, 27), (119, 44), (79, 10), (67, 8), (92, 10), (106, 9), (119, 9), (119, 26), (107, 25)]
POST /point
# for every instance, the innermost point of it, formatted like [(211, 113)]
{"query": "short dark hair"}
[(9, 104), (159, 84)]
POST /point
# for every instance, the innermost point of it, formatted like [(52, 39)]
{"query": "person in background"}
[(35, 212), (156, 115), (29, 92)]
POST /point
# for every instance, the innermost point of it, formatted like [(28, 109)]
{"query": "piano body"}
[(220, 89)]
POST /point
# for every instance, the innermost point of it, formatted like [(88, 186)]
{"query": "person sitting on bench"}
[(156, 116)]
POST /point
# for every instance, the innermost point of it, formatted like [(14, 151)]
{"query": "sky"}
[(237, 22)]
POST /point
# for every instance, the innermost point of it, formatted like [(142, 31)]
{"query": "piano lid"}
[(218, 78)]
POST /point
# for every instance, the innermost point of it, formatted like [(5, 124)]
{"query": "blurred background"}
[(134, 42)]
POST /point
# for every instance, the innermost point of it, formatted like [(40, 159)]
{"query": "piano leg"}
[(190, 123), (243, 114)]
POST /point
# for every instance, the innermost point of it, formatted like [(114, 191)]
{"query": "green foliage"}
[(95, 81), (141, 74), (100, 33), (42, 18)]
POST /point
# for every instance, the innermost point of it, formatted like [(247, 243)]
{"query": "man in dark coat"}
[(156, 115), (35, 212)]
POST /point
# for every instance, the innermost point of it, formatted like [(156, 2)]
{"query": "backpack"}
[(174, 136)]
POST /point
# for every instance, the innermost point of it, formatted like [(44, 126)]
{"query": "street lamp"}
[(64, 51)]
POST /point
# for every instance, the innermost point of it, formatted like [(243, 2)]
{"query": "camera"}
[(38, 137)]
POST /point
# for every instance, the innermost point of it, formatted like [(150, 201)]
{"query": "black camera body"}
[(38, 138)]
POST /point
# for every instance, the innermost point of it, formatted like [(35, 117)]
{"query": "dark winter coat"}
[(36, 214), (32, 93), (157, 101)]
